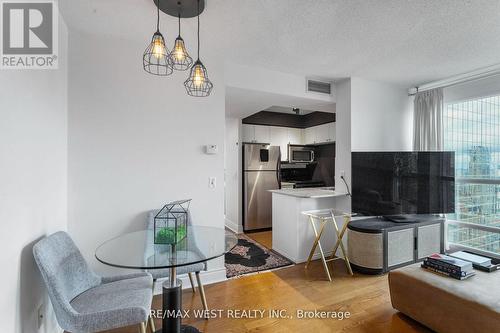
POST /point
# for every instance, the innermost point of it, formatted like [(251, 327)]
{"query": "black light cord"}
[(347, 186), (198, 29), (179, 22), (158, 17)]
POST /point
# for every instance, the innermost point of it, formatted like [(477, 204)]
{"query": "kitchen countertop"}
[(312, 192)]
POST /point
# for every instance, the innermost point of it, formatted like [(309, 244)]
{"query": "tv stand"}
[(376, 245), (403, 218)]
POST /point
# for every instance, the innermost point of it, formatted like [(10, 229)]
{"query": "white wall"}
[(343, 141), (253, 89), (33, 184), (381, 116), (274, 82), (371, 116), (232, 161), (136, 141)]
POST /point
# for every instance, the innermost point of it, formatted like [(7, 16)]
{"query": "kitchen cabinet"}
[(295, 136), (255, 133), (247, 133), (282, 136), (331, 131), (320, 134), (276, 136), (262, 134), (309, 136), (279, 137)]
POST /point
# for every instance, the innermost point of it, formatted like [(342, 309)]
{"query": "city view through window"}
[(472, 130)]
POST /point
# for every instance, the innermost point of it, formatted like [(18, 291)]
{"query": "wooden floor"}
[(293, 288), (264, 237)]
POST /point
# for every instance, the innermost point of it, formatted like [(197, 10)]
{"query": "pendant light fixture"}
[(156, 58), (198, 84), (179, 56)]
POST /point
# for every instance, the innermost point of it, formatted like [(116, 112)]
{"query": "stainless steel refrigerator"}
[(261, 173)]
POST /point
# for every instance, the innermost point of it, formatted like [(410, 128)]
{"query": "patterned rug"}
[(248, 256)]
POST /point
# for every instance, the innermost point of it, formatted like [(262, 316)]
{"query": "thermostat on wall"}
[(211, 149)]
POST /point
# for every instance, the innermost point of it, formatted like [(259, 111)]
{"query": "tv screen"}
[(399, 183)]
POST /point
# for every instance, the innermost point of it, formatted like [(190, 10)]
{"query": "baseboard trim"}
[(207, 277), (235, 227)]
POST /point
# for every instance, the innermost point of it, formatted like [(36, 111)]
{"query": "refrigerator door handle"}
[(278, 170)]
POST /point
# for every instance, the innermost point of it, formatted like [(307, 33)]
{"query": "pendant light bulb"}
[(159, 49), (198, 84), (179, 53), (156, 58), (179, 57), (198, 77)]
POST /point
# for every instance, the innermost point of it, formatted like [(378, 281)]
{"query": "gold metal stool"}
[(324, 216)]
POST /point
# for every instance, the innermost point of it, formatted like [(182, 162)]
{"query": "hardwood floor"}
[(265, 238), (294, 288)]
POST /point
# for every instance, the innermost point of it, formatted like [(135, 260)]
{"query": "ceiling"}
[(241, 103), (396, 41)]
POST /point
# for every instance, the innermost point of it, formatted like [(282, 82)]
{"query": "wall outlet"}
[(342, 174), (212, 182), (40, 316)]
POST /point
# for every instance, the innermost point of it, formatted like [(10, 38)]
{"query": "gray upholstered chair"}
[(189, 269), (85, 302)]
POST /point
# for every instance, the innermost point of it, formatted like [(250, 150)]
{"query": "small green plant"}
[(167, 235)]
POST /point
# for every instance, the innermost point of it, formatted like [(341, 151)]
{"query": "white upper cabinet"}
[(331, 131), (295, 136), (279, 137), (320, 134), (282, 136), (248, 133), (309, 135), (255, 133), (262, 134)]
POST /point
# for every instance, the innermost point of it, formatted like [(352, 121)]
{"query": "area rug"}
[(248, 256)]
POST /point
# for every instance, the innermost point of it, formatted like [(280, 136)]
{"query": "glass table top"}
[(137, 249)]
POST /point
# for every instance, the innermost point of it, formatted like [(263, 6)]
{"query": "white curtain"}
[(428, 120)]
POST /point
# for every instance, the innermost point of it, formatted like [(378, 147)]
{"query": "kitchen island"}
[(293, 236)]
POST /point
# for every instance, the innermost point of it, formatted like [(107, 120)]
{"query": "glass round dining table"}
[(137, 250)]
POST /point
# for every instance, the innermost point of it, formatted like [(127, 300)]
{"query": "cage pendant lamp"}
[(156, 58), (198, 84), (179, 56)]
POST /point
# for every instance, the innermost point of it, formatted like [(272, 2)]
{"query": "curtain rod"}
[(457, 79)]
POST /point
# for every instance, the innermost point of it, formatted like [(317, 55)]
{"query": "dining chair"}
[(188, 269), (84, 301)]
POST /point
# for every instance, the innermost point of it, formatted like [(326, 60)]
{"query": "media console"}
[(376, 245)]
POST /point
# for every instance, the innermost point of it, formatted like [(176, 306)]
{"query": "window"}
[(472, 130)]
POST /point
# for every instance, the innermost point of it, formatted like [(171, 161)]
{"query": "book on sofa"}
[(482, 263), (453, 267)]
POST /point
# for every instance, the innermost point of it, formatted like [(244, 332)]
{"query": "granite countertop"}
[(314, 192)]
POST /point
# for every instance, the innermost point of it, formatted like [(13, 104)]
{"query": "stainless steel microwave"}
[(300, 154)]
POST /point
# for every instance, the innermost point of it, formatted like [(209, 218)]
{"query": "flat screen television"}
[(400, 183)]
